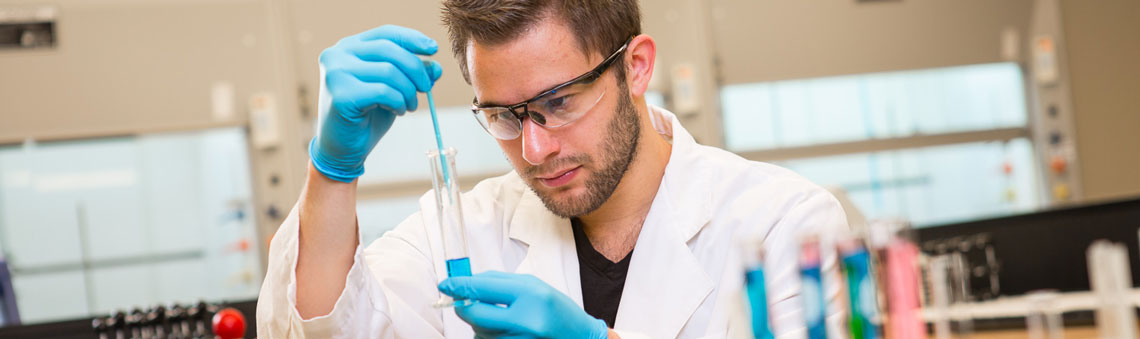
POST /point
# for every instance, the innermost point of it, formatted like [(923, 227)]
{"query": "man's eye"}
[(493, 117), (558, 103)]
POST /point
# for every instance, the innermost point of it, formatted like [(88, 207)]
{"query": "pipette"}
[(438, 138)]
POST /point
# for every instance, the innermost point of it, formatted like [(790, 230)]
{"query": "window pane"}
[(155, 219), (933, 185), (877, 105)]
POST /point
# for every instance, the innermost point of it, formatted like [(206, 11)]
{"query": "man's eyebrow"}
[(497, 104), (485, 104)]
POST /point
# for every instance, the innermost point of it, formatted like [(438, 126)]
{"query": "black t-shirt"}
[(602, 279)]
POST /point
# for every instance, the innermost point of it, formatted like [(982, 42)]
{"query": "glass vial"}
[(449, 214)]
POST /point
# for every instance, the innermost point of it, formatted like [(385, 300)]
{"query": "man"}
[(615, 223)]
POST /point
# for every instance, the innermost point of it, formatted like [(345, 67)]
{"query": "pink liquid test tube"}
[(905, 317)]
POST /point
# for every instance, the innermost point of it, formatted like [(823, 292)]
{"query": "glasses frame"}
[(587, 78)]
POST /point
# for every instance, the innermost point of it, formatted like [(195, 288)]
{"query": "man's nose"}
[(538, 144)]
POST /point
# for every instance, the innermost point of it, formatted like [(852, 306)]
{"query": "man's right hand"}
[(366, 81)]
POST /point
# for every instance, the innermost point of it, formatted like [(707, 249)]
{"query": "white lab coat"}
[(683, 280)]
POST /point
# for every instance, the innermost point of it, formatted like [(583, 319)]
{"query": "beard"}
[(618, 150)]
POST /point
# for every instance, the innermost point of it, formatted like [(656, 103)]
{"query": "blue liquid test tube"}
[(752, 255), (450, 218), (758, 301), (811, 290), (861, 289)]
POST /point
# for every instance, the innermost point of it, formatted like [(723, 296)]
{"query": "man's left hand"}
[(520, 305)]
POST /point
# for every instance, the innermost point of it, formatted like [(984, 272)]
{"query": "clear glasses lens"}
[(560, 108), (565, 105), (500, 122)]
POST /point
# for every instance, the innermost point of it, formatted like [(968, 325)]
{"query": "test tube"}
[(940, 295), (959, 273), (450, 216), (863, 302), (1043, 321), (811, 288), (900, 278), (757, 291), (1111, 282)]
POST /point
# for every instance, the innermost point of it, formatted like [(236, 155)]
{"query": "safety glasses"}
[(555, 107)]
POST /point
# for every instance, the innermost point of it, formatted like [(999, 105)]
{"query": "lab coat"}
[(684, 280)]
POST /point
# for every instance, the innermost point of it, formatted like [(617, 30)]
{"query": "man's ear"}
[(639, 58)]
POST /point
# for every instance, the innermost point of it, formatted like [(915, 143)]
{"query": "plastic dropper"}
[(438, 139)]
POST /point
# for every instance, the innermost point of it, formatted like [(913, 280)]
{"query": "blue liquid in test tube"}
[(450, 218), (811, 290), (459, 267), (861, 288), (758, 302)]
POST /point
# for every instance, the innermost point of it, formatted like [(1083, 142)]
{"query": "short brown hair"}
[(600, 26)]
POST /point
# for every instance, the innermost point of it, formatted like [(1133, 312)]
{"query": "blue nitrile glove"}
[(520, 305), (366, 81)]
